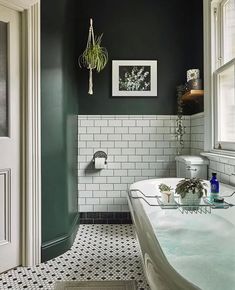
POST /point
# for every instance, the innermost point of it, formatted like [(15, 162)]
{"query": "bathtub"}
[(184, 251)]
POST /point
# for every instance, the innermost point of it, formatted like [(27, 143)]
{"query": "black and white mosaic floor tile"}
[(100, 252)]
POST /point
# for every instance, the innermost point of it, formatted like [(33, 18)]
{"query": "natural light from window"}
[(229, 30), (226, 102), (224, 40)]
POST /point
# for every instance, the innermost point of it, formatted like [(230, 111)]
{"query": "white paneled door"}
[(9, 139)]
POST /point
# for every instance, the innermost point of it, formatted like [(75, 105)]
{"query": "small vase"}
[(167, 197)]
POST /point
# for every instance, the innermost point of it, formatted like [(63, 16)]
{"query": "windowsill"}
[(219, 154)]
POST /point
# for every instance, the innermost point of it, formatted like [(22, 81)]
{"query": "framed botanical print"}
[(134, 78)]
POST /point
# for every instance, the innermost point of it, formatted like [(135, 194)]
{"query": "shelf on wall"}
[(192, 95)]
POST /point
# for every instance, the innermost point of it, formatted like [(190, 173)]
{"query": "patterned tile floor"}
[(100, 252)]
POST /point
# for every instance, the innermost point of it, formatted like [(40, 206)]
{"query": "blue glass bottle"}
[(214, 187)]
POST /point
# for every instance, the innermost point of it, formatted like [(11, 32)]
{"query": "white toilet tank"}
[(191, 166)]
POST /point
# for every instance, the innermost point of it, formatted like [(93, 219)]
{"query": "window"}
[(223, 67)]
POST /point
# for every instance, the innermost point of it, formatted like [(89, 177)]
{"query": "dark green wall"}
[(59, 128), (169, 31)]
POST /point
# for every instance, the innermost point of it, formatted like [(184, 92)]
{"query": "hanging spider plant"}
[(95, 57)]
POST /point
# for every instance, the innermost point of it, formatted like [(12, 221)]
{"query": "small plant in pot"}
[(191, 190), (167, 194)]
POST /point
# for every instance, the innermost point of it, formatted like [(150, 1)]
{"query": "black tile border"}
[(105, 218)]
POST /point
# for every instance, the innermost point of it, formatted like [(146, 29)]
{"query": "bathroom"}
[(85, 216)]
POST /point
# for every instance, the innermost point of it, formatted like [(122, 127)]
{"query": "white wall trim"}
[(198, 115), (218, 154), (31, 207), (30, 128), (18, 5), (208, 130)]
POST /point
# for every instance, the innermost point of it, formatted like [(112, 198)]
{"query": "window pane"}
[(3, 80), (226, 106), (229, 30)]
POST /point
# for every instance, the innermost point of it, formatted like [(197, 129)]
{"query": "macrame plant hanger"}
[(90, 42), (94, 57)]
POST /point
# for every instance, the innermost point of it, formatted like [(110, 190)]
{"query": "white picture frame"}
[(134, 78)]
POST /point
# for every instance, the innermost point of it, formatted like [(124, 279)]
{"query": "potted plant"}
[(191, 190), (167, 194), (94, 57)]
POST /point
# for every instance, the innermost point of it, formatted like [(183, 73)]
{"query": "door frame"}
[(30, 129)]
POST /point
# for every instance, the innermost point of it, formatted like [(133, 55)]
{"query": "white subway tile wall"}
[(197, 134), (138, 147), (224, 167)]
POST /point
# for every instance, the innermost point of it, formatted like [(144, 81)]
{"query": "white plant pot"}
[(190, 199), (167, 197)]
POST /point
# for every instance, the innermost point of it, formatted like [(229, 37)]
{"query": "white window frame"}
[(213, 65), (225, 145)]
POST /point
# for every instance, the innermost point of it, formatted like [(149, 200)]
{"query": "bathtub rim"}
[(143, 182)]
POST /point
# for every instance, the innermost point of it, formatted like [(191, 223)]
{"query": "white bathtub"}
[(184, 251)]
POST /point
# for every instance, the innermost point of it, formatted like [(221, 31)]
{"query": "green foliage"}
[(164, 187), (136, 80), (95, 56), (180, 129), (195, 185)]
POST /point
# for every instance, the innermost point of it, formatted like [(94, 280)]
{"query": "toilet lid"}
[(190, 160)]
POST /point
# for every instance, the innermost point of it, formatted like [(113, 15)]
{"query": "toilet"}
[(188, 166)]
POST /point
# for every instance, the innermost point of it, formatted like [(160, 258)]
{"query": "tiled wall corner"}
[(197, 134), (225, 169), (138, 147)]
